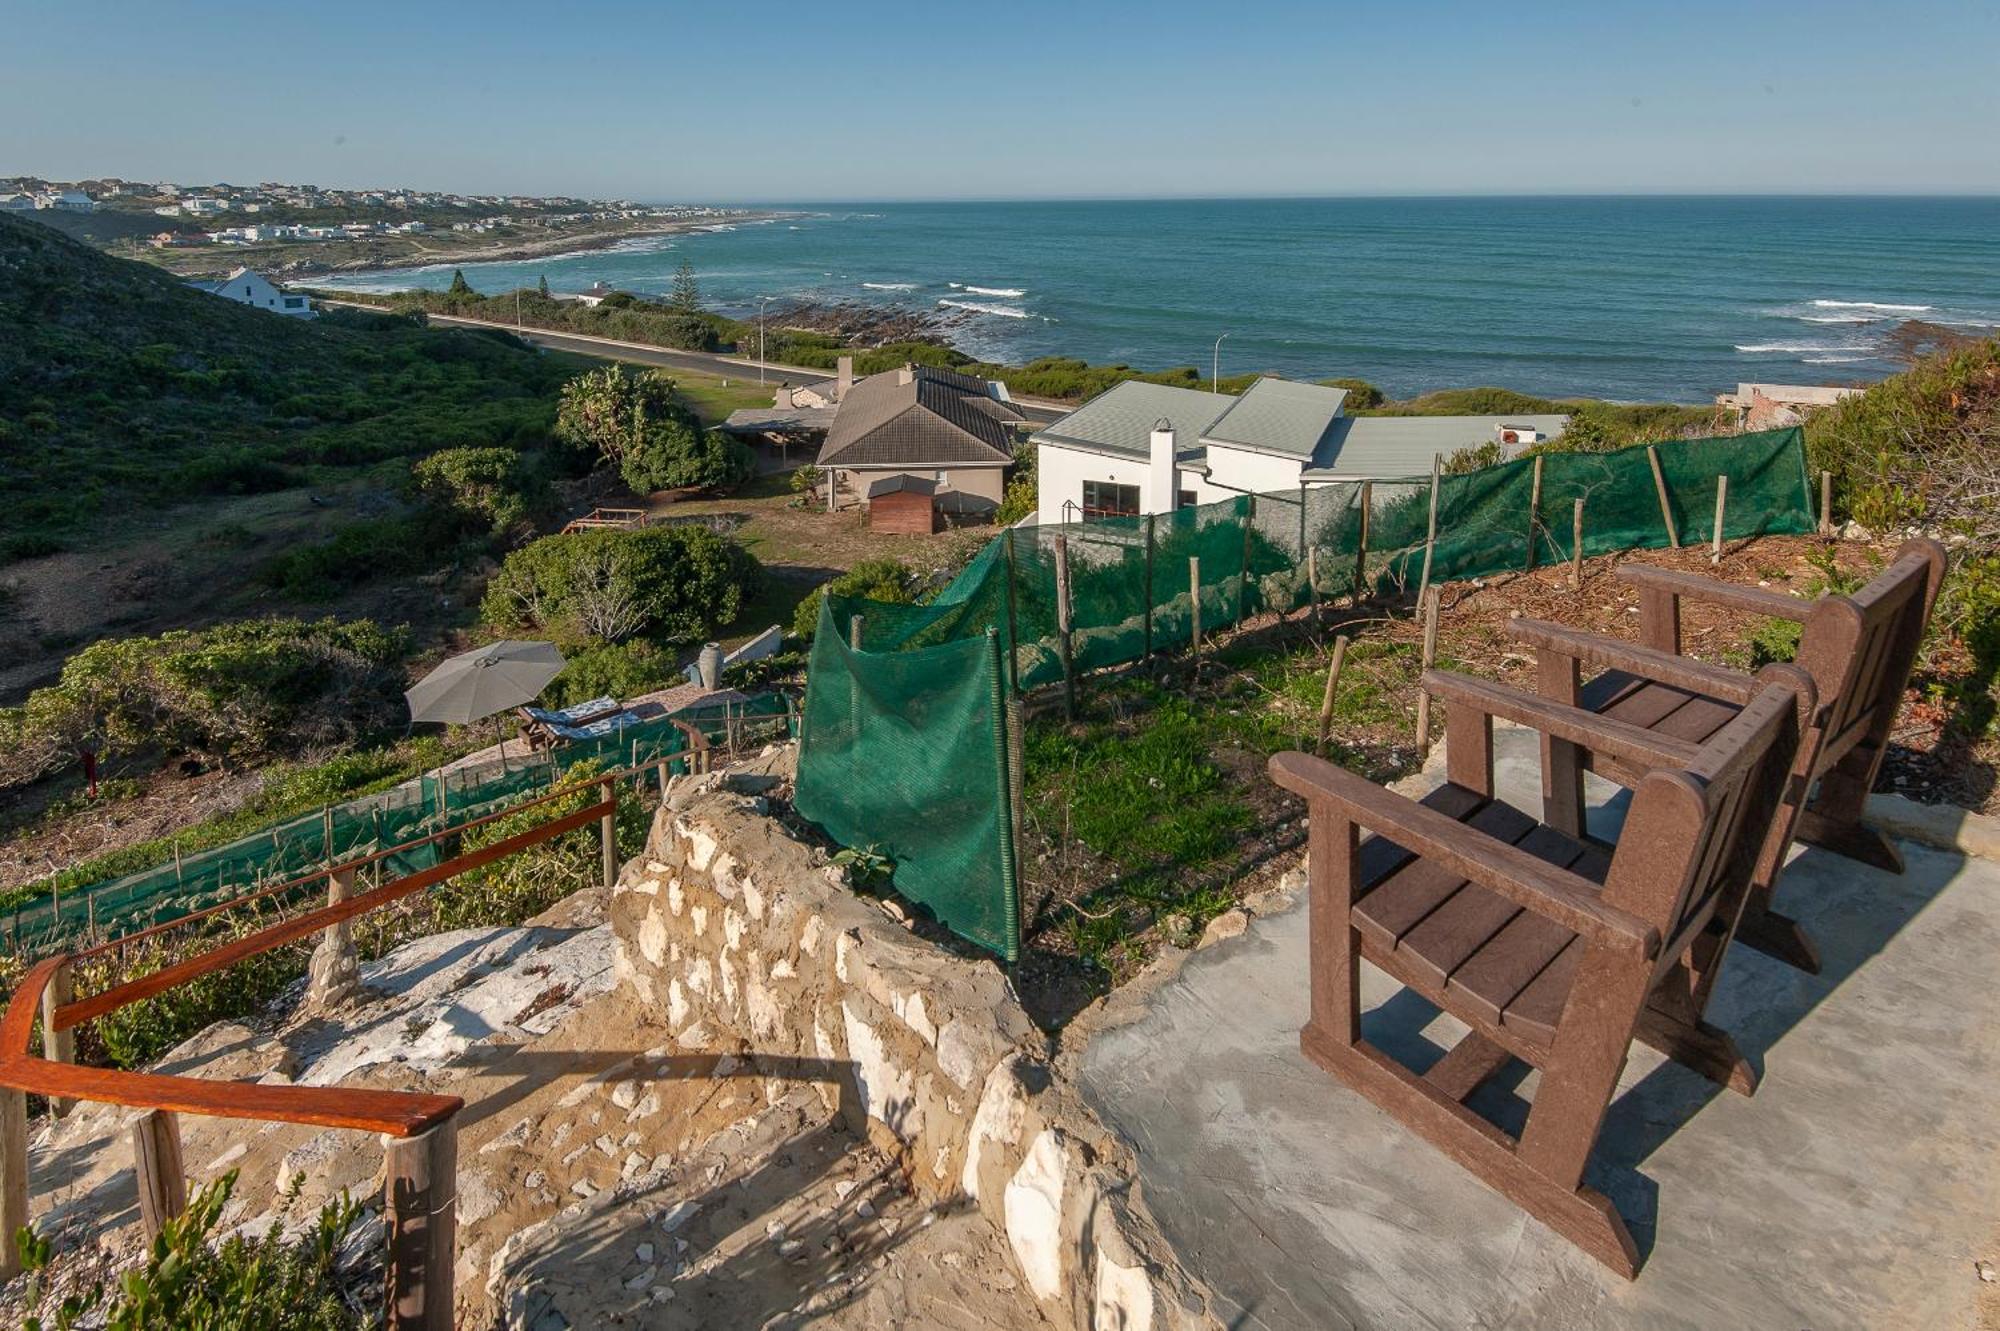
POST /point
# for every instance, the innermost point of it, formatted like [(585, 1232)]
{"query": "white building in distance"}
[(1150, 448), (258, 292)]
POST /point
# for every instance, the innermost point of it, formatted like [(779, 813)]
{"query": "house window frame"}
[(1115, 508)]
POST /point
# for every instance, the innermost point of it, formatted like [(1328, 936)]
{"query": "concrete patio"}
[(1855, 1189)]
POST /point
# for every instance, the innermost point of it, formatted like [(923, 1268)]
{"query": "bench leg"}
[(1706, 1049), (1582, 1215), (1778, 936), (1849, 837)]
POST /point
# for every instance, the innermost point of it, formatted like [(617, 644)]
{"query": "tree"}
[(542, 286), (686, 297), (640, 424), (672, 584), (459, 286)]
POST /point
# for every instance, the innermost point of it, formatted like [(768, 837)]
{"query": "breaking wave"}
[(1870, 305), (890, 286), (980, 307), (1014, 293)]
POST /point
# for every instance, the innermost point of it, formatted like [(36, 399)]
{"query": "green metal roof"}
[(1372, 447), (1278, 416), (1120, 420)]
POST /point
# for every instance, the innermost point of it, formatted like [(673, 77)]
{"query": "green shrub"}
[(676, 584), (1361, 395), (620, 670), (356, 554), (235, 689), (191, 1282), (487, 490), (875, 579)]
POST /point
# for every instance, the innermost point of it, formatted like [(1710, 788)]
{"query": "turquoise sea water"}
[(1632, 298)]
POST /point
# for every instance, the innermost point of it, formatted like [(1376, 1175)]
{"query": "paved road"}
[(640, 353)]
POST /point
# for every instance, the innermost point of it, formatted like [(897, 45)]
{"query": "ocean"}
[(1625, 298)]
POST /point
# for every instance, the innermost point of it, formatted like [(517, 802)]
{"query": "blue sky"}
[(773, 101)]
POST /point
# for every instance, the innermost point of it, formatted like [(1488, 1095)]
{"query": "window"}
[(1186, 499), (1104, 499)]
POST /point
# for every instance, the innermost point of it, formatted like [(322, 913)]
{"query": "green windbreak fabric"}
[(903, 754), (415, 809), (906, 752)]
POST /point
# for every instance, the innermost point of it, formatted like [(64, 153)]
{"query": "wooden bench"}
[(1552, 950), (1859, 650)]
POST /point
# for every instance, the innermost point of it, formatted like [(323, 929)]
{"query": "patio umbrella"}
[(492, 679)]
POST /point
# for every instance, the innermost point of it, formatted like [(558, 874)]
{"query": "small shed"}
[(903, 504)]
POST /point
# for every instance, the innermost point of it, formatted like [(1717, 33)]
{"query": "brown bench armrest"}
[(1531, 883), (1598, 734), (1615, 653), (1757, 600)]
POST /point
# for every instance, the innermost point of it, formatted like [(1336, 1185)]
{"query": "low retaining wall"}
[(738, 934)]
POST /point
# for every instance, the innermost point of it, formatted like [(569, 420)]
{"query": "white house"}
[(17, 203), (202, 206), (1150, 448), (257, 291), (66, 201)]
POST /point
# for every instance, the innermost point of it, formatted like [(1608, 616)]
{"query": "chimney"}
[(784, 397), (843, 378), (906, 375), (1163, 472)]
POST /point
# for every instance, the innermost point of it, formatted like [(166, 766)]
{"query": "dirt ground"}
[(604, 1177)]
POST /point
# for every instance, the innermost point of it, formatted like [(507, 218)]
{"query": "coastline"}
[(272, 258)]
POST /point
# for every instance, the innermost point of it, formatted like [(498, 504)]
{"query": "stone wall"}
[(742, 937)]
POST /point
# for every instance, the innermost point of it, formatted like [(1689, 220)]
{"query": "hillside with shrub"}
[(122, 386)]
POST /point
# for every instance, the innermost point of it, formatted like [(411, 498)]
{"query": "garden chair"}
[(1552, 950), (1859, 650)]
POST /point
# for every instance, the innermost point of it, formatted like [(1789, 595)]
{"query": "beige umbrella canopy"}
[(492, 679)]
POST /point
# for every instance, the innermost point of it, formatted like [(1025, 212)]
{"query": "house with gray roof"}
[(1151, 448), (952, 430)]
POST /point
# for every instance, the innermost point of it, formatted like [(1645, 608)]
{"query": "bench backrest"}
[(1860, 648), (1691, 840)]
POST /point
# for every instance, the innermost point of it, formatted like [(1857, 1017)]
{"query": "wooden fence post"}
[(13, 1176), (1312, 583), (1326, 699), (1063, 626), (1430, 655), (1361, 545), (1826, 503), (156, 1158), (57, 1046), (1149, 584), (1576, 545), (421, 1211), (1194, 608), (1249, 522), (1534, 512), (1013, 626), (1721, 509), (1431, 532), (1660, 488), (607, 834)]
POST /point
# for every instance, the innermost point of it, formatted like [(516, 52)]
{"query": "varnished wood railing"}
[(419, 1129)]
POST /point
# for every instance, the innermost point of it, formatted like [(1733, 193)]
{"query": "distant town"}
[(305, 228)]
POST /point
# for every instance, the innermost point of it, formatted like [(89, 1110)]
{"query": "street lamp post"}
[(1215, 368), (760, 335)]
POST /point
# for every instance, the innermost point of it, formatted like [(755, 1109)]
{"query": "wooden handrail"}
[(132, 991), (397, 1113)]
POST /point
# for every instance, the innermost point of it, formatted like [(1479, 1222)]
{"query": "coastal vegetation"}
[(233, 692), (640, 424), (121, 387), (674, 585)]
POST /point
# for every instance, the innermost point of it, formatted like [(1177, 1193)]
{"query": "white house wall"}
[(1240, 470), (1060, 474)]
